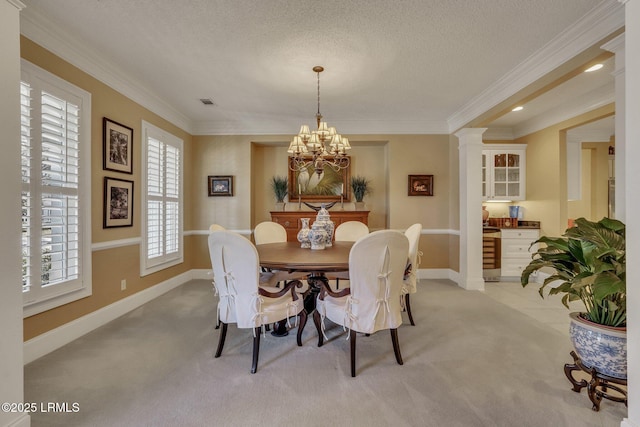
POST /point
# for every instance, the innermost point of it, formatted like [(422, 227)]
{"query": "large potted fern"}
[(360, 186), (589, 265), (280, 187)]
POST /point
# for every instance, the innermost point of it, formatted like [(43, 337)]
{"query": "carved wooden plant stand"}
[(599, 385)]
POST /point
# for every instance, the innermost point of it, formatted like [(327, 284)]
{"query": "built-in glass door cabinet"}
[(503, 172)]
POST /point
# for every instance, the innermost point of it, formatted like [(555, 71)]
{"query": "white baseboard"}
[(626, 422), (23, 420), (56, 338), (438, 273)]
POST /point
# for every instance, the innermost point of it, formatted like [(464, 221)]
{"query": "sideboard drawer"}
[(291, 220)]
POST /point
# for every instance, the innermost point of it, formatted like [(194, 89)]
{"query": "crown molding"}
[(346, 127), (38, 28), (603, 20), (17, 3), (594, 135), (598, 98)]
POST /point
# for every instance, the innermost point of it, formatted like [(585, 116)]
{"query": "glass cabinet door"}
[(502, 175)]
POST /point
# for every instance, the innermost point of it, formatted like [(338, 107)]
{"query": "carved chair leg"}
[(223, 335), (352, 338), (396, 346), (318, 322), (256, 350), (303, 322), (407, 304)]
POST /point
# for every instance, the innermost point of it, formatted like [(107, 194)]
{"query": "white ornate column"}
[(470, 155), (617, 47), (11, 341), (632, 197)]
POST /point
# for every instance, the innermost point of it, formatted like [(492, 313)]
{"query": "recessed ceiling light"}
[(518, 108), (593, 68)]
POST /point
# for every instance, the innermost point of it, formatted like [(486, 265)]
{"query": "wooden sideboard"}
[(290, 220)]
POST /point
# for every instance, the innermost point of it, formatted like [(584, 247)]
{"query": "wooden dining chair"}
[(235, 264), (409, 284), (372, 303)]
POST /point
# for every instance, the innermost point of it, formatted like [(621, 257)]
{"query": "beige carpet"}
[(469, 361)]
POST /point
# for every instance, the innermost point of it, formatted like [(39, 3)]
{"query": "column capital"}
[(469, 132), (17, 3)]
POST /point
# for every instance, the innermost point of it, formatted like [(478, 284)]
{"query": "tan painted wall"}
[(547, 172), (595, 168), (109, 266), (385, 159)]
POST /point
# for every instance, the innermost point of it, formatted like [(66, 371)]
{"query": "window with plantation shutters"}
[(55, 164), (162, 244)]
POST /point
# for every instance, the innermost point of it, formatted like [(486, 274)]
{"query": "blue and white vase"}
[(317, 236), (324, 219), (303, 234), (601, 347)]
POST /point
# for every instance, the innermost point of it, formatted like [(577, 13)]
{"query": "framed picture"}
[(420, 185), (117, 143), (326, 187), (118, 203), (220, 185)]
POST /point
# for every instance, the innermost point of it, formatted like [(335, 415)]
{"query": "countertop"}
[(497, 224)]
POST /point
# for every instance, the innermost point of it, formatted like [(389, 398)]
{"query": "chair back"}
[(269, 232), (376, 269), (216, 227), (351, 231), (235, 264), (413, 235)]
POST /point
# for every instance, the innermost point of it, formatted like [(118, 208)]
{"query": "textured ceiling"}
[(389, 65)]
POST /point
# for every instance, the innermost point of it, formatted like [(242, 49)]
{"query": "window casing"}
[(56, 190), (162, 183)]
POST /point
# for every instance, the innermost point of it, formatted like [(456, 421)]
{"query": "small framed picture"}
[(117, 143), (420, 185), (220, 185), (118, 203)]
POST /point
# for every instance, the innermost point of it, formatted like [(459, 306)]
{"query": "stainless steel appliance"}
[(491, 254)]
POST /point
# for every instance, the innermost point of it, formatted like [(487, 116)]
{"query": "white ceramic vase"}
[(601, 347)]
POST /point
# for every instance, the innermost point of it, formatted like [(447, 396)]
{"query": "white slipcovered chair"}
[(235, 277), (409, 285), (372, 303), (269, 232), (216, 227), (272, 232), (349, 231)]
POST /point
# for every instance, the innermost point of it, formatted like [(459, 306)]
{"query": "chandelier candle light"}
[(321, 147)]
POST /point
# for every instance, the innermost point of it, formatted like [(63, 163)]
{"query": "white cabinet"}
[(515, 245), (503, 172)]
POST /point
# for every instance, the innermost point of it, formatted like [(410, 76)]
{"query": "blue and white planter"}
[(601, 347)]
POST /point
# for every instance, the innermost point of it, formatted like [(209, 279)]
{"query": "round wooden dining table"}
[(289, 256)]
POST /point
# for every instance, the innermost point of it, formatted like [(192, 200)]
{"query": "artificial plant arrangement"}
[(280, 187), (360, 186), (590, 262)]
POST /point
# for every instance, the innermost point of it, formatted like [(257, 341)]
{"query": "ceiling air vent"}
[(207, 101)]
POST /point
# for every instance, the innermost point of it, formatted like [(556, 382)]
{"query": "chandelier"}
[(321, 147)]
